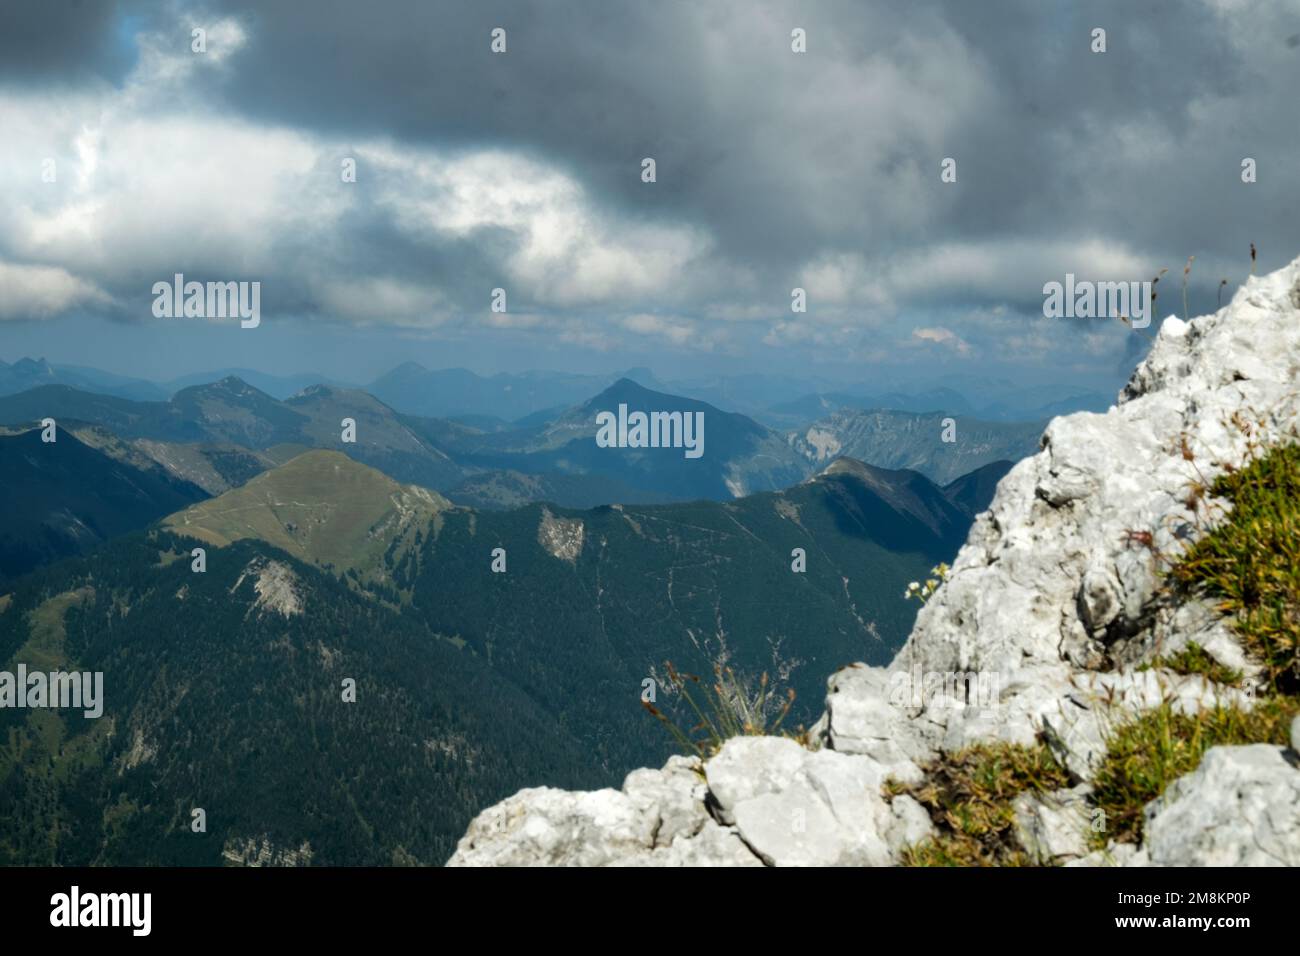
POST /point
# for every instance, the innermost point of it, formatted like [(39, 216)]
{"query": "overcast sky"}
[(522, 170)]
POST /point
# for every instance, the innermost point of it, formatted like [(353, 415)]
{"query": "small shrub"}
[(728, 707)]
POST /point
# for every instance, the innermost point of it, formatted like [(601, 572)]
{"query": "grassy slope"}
[(320, 507)]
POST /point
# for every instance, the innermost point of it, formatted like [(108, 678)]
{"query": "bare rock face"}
[(278, 588), (1051, 608), (1054, 827), (761, 800), (657, 819), (561, 537), (1240, 807), (252, 852), (796, 807), (1058, 579)]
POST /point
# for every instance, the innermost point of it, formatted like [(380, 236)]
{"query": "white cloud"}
[(382, 300), (564, 250), (944, 337), (43, 291), (997, 270), (153, 180)]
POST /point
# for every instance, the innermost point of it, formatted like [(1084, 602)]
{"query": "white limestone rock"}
[(1077, 709), (910, 824), (1054, 827), (1115, 854), (796, 807), (673, 797), (711, 846), (1057, 570), (1240, 807), (866, 713), (549, 827)]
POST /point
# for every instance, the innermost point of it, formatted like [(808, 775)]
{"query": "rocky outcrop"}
[(1051, 612), (278, 588), (658, 819), (760, 800), (253, 852), (1241, 807), (560, 537)]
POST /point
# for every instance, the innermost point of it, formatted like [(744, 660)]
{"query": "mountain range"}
[(27, 373), (322, 568), (218, 435), (448, 570), (739, 455), (1004, 404), (215, 435), (527, 398)]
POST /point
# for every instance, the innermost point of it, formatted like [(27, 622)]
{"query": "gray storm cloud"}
[(775, 169)]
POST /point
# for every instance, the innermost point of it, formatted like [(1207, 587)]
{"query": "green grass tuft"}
[(1194, 659), (1251, 561), (1146, 755), (969, 796)]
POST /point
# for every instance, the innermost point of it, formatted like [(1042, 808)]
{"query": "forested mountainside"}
[(223, 688)]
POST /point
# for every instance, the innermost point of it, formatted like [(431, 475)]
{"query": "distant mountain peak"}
[(884, 481), (904, 490), (312, 391), (232, 386), (31, 366), (354, 398), (628, 391), (231, 383), (844, 465)]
